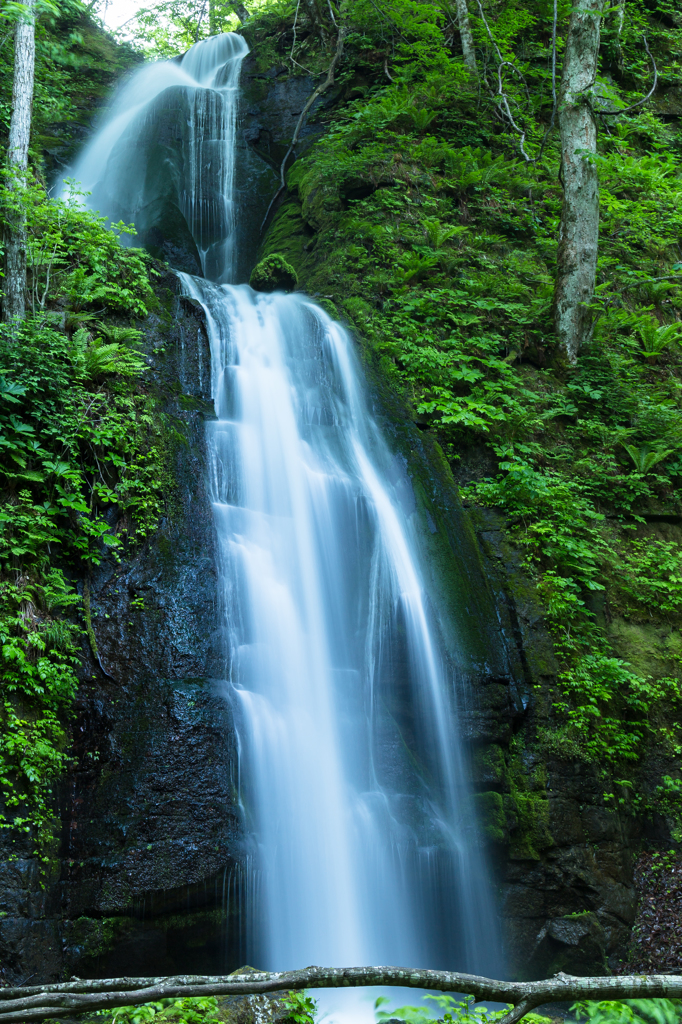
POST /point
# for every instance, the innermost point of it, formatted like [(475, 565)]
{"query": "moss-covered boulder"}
[(273, 274)]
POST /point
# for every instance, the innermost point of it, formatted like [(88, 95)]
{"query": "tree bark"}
[(467, 39), (213, 23), (579, 230), (34, 1003), (14, 301)]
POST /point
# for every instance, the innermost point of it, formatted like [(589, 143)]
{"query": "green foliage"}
[(39, 657), (453, 1011), (300, 1008), (76, 64), (296, 1008), (73, 255), (450, 1011), (192, 1010), (169, 27), (79, 439), (630, 1011)]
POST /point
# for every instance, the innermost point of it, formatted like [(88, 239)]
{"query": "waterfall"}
[(165, 153), (353, 786)]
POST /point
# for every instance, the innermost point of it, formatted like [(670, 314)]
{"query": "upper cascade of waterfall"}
[(163, 158)]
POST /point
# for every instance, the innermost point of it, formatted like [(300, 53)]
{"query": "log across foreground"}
[(37, 1002)]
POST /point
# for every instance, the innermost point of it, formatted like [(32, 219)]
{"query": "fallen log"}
[(37, 1002)]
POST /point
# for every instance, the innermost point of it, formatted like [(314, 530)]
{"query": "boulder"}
[(273, 274)]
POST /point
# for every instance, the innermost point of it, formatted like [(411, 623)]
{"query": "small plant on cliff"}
[(299, 1007)]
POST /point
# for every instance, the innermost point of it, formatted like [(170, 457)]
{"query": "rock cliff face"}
[(148, 876), (146, 873)]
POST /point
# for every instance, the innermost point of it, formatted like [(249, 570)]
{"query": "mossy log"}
[(61, 1000)]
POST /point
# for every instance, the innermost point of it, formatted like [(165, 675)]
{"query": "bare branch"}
[(504, 102), (35, 1003)]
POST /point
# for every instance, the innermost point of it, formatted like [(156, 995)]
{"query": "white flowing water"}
[(363, 848), (123, 167)]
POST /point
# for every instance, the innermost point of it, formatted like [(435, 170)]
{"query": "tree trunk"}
[(466, 37), (579, 230), (14, 301), (213, 23)]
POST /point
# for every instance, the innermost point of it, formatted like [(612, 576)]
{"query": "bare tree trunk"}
[(579, 230), (213, 23), (14, 301), (464, 26), (36, 1002)]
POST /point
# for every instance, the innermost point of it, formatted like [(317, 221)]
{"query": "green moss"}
[(272, 274), (531, 834), (492, 816), (288, 234), (92, 640), (97, 936)]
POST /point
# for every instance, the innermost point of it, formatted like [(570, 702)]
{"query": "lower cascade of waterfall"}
[(362, 845), (351, 777)]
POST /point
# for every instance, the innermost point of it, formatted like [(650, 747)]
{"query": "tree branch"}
[(639, 103), (35, 1003), (504, 102)]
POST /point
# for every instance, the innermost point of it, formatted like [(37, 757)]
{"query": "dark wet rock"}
[(655, 946), (575, 944)]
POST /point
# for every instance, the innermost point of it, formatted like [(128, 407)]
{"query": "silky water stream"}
[(359, 820)]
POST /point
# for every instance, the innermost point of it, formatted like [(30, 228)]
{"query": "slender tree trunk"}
[(579, 230), (466, 37), (213, 24), (14, 301)]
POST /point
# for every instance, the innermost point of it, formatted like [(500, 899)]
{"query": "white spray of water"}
[(353, 786)]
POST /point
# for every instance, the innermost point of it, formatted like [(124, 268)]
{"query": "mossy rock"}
[(273, 274)]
